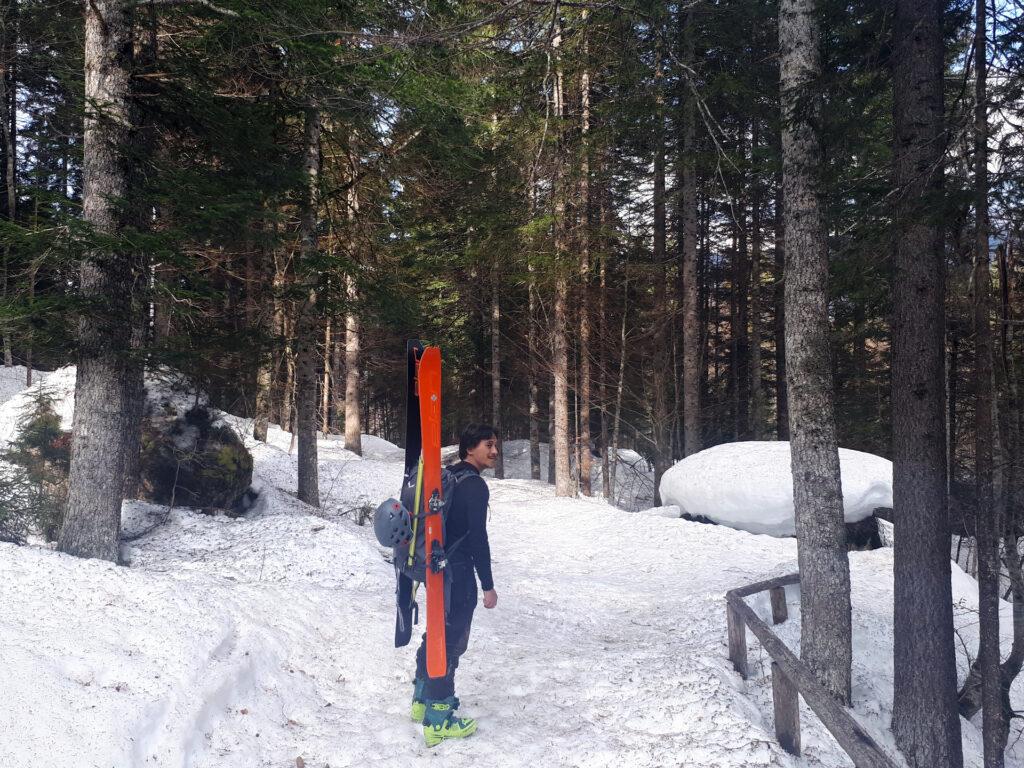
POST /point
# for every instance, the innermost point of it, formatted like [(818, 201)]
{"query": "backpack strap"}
[(418, 512), (459, 477)]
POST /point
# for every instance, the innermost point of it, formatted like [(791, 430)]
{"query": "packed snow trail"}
[(253, 642)]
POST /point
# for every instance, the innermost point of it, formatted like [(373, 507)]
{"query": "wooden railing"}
[(792, 679)]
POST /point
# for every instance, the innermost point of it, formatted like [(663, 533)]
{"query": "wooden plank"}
[(852, 737), (779, 611), (764, 586), (787, 710), (737, 641)]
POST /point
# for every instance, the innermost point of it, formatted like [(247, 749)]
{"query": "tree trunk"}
[(8, 146), (825, 636), (265, 372), (616, 419), (659, 368), (781, 396), (306, 327), (692, 336), (560, 358), (925, 720), (603, 346), (532, 364), (994, 727), (288, 368), (739, 321), (757, 405), (353, 428), (337, 362), (551, 431), (143, 213), (585, 464), (499, 468), (104, 384), (326, 387)]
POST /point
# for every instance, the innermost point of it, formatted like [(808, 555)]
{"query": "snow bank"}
[(749, 485), (671, 512)]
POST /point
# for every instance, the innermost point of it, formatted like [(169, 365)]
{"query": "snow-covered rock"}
[(749, 485)]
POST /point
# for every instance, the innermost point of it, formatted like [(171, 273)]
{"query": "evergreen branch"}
[(204, 3)]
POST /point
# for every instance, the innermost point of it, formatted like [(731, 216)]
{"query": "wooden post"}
[(737, 641), (787, 710), (779, 611)]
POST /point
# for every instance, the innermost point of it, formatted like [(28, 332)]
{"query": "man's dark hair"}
[(472, 436)]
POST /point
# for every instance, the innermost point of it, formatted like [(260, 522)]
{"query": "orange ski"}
[(429, 380)]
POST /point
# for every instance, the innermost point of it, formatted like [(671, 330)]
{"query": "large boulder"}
[(749, 486), (191, 461)]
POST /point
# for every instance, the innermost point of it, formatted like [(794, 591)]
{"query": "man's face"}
[(485, 454)]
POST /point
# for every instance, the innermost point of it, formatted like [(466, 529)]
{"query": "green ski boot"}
[(419, 706), (440, 722)]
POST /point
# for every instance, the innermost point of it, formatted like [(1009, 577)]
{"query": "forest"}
[(640, 225)]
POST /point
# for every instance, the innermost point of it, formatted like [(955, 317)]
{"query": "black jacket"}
[(467, 520)]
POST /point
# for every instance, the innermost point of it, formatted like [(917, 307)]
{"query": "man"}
[(434, 702)]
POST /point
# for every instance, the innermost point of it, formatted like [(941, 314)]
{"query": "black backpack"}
[(411, 559)]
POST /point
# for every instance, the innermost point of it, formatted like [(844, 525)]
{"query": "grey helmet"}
[(392, 524)]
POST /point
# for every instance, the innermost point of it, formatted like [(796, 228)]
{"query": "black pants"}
[(459, 617)]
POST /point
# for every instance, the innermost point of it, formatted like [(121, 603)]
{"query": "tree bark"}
[(585, 464), (551, 431), (532, 364), (326, 387), (353, 428), (306, 331), (659, 368), (757, 404), (560, 358), (499, 468), (287, 367), (825, 638), (617, 418), (925, 720), (265, 372), (8, 146), (104, 382), (994, 726), (692, 336), (781, 396), (603, 348)]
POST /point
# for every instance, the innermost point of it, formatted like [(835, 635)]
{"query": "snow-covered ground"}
[(749, 485), (251, 643)]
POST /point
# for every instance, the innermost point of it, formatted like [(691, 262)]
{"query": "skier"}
[(434, 701)]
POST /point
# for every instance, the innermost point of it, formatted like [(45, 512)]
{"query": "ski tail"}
[(405, 592)]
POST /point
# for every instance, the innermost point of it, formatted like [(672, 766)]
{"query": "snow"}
[(634, 477), (60, 383), (749, 485), (12, 380), (252, 642)]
